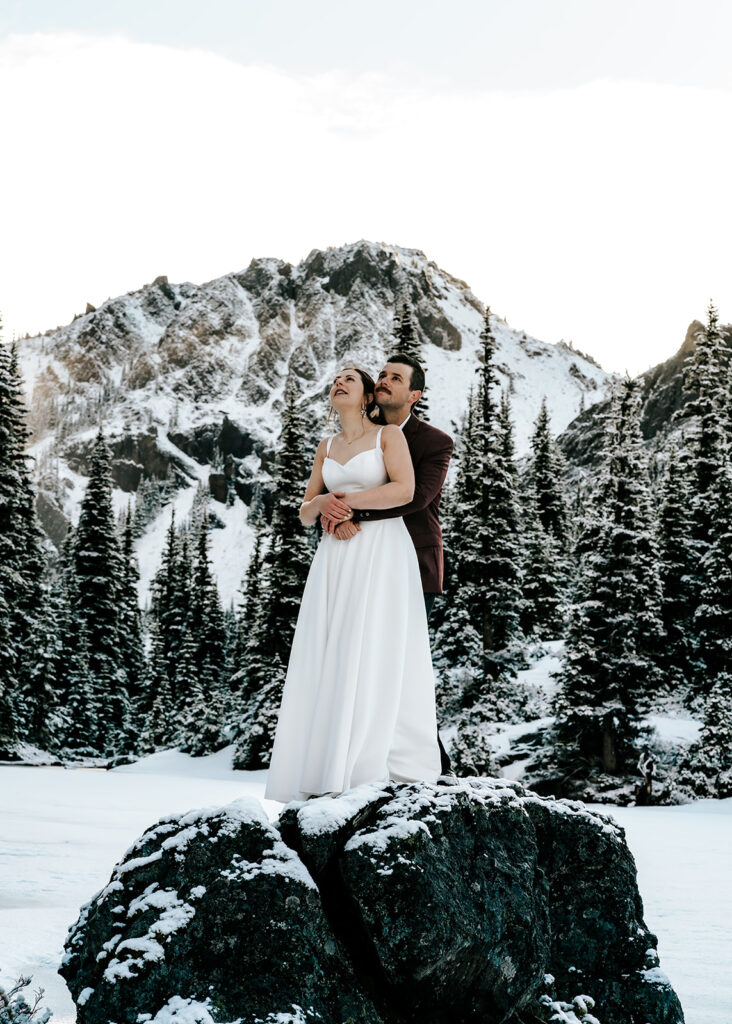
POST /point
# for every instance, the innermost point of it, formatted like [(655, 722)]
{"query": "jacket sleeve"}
[(428, 481)]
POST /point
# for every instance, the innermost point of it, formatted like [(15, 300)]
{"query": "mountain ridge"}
[(186, 377)]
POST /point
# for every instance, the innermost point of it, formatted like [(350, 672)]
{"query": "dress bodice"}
[(362, 471)]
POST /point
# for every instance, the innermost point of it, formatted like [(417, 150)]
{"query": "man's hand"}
[(334, 509), (344, 531)]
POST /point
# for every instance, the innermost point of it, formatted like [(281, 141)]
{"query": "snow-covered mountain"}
[(186, 377)]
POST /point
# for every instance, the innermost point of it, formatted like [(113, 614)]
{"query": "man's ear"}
[(412, 399)]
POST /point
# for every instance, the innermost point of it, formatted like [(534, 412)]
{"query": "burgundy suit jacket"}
[(430, 449)]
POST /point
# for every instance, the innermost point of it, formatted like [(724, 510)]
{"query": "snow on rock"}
[(210, 905)]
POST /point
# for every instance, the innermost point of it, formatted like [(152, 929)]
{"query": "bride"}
[(358, 703)]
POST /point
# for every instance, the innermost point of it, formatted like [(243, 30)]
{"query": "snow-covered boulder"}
[(211, 913), (389, 903)]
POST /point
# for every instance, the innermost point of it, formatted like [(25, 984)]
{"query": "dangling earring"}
[(363, 412)]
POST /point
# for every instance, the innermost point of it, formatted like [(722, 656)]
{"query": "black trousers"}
[(446, 766)]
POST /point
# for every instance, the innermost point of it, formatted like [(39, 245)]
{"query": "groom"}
[(398, 389)]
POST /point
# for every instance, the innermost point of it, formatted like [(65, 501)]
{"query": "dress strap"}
[(378, 438), (327, 447)]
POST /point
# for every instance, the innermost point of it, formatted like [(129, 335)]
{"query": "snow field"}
[(64, 829)]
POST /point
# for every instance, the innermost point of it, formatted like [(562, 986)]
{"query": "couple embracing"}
[(358, 703)]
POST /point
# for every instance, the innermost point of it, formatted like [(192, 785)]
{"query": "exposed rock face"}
[(389, 903), (662, 398)]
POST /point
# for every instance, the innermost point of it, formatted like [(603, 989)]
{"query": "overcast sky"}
[(569, 159)]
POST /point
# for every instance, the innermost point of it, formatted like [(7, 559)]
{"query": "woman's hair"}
[(372, 409)]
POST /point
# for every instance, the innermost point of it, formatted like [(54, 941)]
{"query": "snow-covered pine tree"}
[(22, 565), (407, 342), (132, 657), (202, 722), (286, 566), (546, 471), (545, 538), (250, 655), (476, 642), (98, 570), (679, 567), (707, 768), (494, 576), (706, 378), (713, 616), (544, 576), (169, 607), (162, 727), (81, 728), (614, 628)]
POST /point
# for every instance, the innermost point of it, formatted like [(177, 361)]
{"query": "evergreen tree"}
[(706, 379), (21, 561), (98, 570), (250, 658), (170, 605), (480, 626), (285, 570), (713, 616), (202, 658), (546, 471), (83, 708), (615, 627), (679, 567), (407, 341), (707, 768), (545, 570), (488, 574), (132, 657), (544, 577)]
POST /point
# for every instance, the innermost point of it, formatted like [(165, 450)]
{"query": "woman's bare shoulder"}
[(392, 432)]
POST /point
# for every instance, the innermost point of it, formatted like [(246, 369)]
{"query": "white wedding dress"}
[(358, 703)]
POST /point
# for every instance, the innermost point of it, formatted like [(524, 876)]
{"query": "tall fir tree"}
[(713, 615), (250, 658), (170, 605), (706, 379), (201, 666), (679, 567), (477, 638), (546, 471), (98, 570), (545, 569), (615, 628), (407, 342), (286, 566), (22, 565), (132, 657)]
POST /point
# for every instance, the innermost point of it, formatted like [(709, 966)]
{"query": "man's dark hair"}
[(416, 382)]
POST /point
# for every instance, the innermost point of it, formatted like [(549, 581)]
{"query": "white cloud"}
[(599, 213)]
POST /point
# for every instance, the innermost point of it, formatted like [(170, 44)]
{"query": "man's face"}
[(393, 387)]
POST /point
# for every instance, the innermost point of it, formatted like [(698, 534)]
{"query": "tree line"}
[(637, 577)]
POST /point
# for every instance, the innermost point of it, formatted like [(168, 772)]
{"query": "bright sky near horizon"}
[(569, 160)]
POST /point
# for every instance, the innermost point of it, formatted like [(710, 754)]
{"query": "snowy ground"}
[(63, 830)]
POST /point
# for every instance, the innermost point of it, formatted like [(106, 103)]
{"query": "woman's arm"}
[(398, 462), (315, 501)]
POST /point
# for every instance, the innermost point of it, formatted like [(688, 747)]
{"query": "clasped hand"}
[(336, 515)]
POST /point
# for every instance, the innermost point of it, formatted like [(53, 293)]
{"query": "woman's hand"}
[(333, 508)]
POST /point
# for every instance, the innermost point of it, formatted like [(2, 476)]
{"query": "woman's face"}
[(347, 391)]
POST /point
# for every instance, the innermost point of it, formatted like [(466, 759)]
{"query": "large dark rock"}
[(212, 910), (393, 903)]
